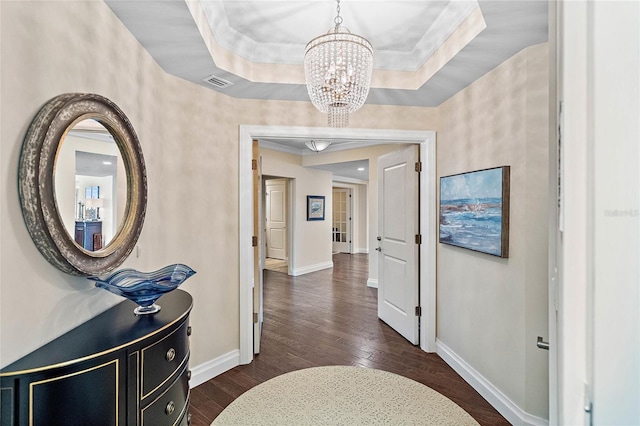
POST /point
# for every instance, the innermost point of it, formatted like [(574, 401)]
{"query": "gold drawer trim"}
[(184, 361), (186, 403), (170, 374), (95, 355), (34, 384)]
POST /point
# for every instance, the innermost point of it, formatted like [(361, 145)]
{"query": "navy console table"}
[(85, 232), (115, 369)]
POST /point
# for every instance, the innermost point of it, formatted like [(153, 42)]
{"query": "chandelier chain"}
[(338, 19)]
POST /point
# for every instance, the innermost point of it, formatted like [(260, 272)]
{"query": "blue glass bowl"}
[(144, 288)]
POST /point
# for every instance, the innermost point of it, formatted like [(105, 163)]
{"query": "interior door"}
[(341, 224), (276, 218), (256, 165), (398, 251)]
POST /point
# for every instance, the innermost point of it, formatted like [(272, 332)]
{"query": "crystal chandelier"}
[(338, 67)]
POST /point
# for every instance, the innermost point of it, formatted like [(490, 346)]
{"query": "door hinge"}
[(254, 164), (418, 238), (255, 317), (254, 241), (418, 166), (418, 311), (588, 404)]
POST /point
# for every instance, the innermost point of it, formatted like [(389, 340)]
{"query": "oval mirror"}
[(82, 183)]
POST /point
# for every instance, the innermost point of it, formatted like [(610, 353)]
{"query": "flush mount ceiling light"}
[(317, 146), (338, 67)]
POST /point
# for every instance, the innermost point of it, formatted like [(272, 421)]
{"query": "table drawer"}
[(169, 408), (162, 359)]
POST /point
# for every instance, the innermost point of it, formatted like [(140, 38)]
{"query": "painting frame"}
[(315, 207), (474, 210)]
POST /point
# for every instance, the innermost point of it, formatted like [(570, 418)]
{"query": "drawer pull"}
[(171, 407), (189, 375), (189, 331), (171, 354)]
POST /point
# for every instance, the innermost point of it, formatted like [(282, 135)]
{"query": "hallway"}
[(330, 318)]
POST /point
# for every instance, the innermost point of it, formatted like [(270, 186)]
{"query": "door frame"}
[(287, 213), (428, 217), (356, 212)]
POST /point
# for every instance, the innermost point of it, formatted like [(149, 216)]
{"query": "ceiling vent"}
[(218, 82)]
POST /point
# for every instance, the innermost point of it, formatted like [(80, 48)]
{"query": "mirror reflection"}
[(90, 185)]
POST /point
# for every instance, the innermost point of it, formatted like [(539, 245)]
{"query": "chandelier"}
[(338, 67)]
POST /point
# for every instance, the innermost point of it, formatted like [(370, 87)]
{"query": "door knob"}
[(379, 249), (542, 344)]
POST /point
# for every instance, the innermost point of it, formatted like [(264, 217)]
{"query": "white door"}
[(276, 218), (397, 249), (341, 224)]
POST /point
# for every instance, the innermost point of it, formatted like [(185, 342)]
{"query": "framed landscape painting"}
[(315, 207), (474, 211)]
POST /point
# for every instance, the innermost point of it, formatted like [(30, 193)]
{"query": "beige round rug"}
[(342, 395)]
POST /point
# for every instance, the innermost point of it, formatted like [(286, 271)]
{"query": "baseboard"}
[(372, 283), (514, 414), (362, 251), (210, 369), (311, 268)]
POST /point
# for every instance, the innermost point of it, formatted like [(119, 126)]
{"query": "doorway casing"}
[(428, 219)]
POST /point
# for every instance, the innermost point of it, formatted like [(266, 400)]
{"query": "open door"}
[(398, 241), (256, 165)]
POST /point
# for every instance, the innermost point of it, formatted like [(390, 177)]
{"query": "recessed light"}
[(361, 169), (106, 163)]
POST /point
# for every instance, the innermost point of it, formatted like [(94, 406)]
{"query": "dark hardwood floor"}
[(330, 318)]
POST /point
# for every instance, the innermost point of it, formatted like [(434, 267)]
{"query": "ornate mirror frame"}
[(36, 183)]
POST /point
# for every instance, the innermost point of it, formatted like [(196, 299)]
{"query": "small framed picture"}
[(315, 207)]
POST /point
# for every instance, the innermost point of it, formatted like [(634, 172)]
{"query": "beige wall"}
[(189, 137), (490, 310), (311, 239), (49, 48), (370, 153)]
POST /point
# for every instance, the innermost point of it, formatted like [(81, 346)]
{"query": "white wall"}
[(490, 310), (363, 219), (616, 170), (599, 316)]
